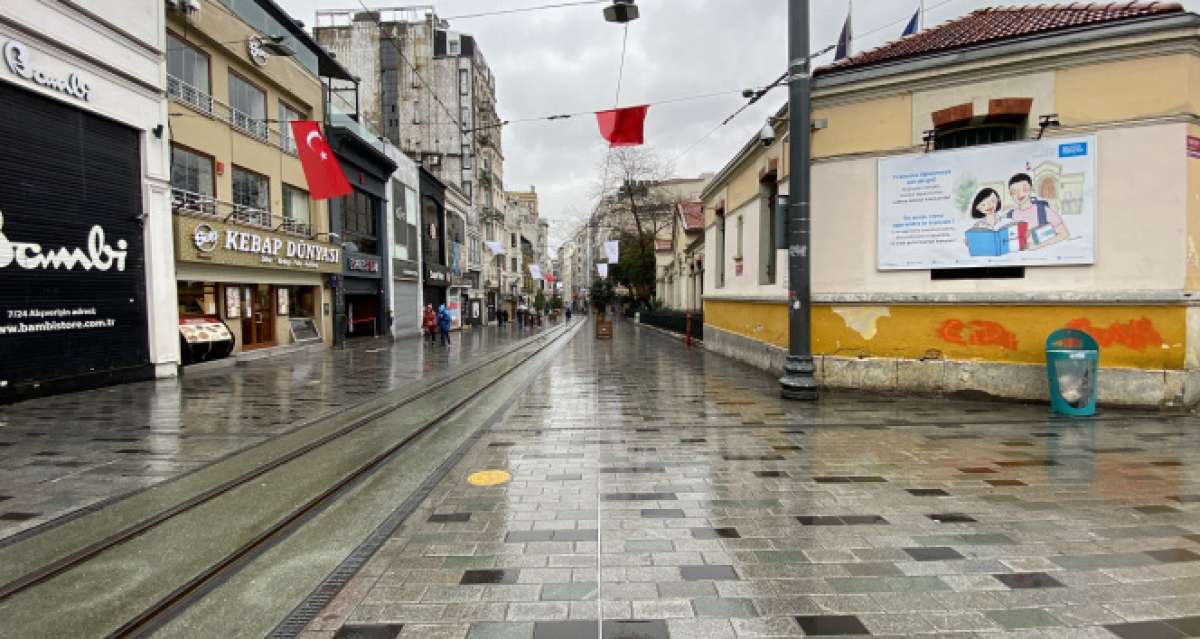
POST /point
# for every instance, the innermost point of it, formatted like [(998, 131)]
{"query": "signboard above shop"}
[(1020, 204), (362, 265), (214, 242), (436, 275)]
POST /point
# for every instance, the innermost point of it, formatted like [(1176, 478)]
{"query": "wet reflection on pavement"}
[(59, 454), (670, 492)]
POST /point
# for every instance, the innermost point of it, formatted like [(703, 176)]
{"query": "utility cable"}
[(560, 5), (757, 95), (565, 116), (424, 84)]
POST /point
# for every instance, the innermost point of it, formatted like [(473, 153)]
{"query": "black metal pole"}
[(798, 381)]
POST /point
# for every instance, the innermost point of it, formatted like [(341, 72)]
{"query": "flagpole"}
[(850, 30), (921, 17)]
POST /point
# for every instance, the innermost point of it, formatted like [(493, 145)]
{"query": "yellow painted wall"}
[(221, 36), (1150, 337), (881, 124), (1193, 216), (1125, 89)]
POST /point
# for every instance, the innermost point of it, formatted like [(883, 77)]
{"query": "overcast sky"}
[(565, 61)]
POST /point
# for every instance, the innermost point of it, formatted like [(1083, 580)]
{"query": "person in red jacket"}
[(429, 322)]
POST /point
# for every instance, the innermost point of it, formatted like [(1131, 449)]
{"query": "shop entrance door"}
[(258, 324)]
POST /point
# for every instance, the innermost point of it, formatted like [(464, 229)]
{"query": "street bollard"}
[(688, 336)]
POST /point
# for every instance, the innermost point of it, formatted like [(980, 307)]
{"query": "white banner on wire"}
[(602, 270), (535, 271), (612, 250), (495, 247)]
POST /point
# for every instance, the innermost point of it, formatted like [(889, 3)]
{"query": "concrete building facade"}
[(422, 85)]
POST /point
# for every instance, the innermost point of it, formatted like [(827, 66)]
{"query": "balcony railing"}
[(200, 205), (248, 125), (206, 105), (189, 95)]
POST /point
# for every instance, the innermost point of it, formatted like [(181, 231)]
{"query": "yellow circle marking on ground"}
[(489, 478)]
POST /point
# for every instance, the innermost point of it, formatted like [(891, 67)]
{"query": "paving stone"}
[(825, 625), (669, 479), (722, 607), (501, 631), (696, 573), (569, 592)]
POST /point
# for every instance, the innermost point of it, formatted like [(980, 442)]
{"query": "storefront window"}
[(432, 248), (191, 171), (287, 115), (302, 301), (187, 68), (358, 210), (248, 107), (250, 189), (411, 214), (197, 298), (295, 207), (400, 222)]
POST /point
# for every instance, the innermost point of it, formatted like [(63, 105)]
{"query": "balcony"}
[(208, 106), (191, 204), (189, 95), (254, 128)]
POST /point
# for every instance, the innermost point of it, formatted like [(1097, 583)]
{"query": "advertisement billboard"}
[(1020, 204)]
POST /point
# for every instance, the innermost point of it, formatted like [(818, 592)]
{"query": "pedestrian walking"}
[(443, 324), (429, 322)]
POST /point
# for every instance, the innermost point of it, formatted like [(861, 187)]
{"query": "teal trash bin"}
[(1073, 367)]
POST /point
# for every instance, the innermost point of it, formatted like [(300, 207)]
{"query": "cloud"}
[(566, 61)]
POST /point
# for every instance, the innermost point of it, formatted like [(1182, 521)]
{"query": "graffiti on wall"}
[(978, 333), (1135, 334)]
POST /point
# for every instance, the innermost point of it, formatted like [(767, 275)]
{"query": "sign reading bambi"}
[(1021, 204)]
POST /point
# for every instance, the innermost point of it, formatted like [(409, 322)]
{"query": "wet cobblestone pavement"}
[(671, 493), (59, 454)]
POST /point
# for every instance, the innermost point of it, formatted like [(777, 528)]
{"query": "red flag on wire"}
[(321, 168), (622, 127)]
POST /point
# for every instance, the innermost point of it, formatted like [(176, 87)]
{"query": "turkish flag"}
[(321, 168), (622, 127)]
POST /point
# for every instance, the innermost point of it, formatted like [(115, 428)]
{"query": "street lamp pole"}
[(799, 381)]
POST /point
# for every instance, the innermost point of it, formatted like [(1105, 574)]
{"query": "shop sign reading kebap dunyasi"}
[(213, 242)]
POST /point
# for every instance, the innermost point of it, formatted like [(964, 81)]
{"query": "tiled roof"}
[(693, 215), (1002, 23)]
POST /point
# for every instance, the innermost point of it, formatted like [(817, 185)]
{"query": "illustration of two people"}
[(1045, 226)]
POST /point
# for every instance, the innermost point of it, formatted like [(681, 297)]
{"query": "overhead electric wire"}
[(780, 80), (560, 5), (621, 67), (616, 103), (565, 116), (424, 84)]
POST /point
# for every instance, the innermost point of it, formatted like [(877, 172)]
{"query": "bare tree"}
[(638, 204)]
